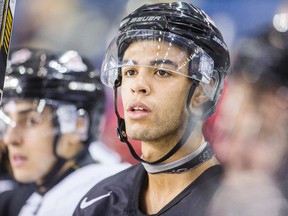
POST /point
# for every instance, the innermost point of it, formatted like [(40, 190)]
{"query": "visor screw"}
[(123, 134)]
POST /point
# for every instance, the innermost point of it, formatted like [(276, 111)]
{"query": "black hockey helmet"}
[(64, 78)]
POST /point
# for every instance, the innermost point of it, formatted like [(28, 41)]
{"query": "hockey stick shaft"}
[(6, 18)]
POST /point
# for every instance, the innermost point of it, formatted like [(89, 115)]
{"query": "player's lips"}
[(138, 111), (17, 160)]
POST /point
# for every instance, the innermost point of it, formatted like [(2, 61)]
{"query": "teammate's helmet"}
[(180, 24), (65, 78), (262, 60)]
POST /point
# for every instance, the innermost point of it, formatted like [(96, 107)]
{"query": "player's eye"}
[(33, 119), (163, 73), (130, 72)]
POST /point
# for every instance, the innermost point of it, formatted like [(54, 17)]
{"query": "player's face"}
[(255, 121), (29, 141), (154, 99)]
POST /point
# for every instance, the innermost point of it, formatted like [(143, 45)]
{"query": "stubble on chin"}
[(139, 134)]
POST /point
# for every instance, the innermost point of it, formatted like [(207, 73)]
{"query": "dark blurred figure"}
[(250, 136), (9, 187), (5, 170), (7, 182)]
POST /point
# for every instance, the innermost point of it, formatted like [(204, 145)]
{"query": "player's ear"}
[(199, 97)]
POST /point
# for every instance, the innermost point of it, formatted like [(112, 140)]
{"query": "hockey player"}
[(251, 136), (170, 61), (52, 107)]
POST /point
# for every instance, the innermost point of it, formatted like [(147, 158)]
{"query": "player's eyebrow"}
[(129, 62), (164, 61), (152, 63), (25, 111)]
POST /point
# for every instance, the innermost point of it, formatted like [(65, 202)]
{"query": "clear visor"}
[(156, 49), (28, 114)]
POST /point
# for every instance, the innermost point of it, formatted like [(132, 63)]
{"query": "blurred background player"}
[(52, 108), (250, 130)]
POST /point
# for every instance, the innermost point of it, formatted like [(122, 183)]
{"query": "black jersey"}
[(11, 201), (119, 195), (63, 194)]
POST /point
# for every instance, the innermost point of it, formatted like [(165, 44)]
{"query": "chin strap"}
[(54, 176), (51, 178), (121, 130)]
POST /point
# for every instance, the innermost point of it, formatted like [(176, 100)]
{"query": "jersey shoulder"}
[(111, 195), (121, 179)]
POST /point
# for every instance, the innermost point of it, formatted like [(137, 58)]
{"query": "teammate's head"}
[(167, 40), (254, 108), (52, 105), (261, 60)]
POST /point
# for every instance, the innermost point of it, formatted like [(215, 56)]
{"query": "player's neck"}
[(163, 188)]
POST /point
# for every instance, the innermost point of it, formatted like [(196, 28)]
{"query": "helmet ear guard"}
[(118, 80), (82, 127), (72, 120), (213, 90)]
